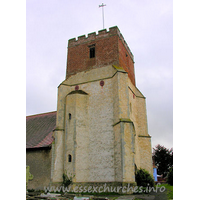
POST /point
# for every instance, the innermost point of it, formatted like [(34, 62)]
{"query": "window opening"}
[(69, 158), (92, 52), (70, 115)]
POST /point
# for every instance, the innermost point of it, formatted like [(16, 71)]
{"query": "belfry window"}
[(92, 51), (69, 158)]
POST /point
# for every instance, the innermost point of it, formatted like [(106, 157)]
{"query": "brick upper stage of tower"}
[(94, 51)]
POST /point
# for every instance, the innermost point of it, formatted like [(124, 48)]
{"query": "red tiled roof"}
[(39, 130)]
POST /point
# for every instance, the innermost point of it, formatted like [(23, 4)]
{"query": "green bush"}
[(66, 180), (143, 178), (170, 177)]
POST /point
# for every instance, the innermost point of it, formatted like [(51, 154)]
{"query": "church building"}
[(99, 134)]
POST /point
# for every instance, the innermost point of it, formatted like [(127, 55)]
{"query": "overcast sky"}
[(147, 27)]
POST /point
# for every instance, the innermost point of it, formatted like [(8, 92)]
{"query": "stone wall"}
[(102, 133), (143, 151)]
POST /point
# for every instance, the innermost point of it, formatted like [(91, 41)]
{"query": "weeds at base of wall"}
[(67, 180)]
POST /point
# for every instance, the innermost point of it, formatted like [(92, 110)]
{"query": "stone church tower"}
[(101, 131)]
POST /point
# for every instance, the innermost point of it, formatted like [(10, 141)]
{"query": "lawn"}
[(169, 190)]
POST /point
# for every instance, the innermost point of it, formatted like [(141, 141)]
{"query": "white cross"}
[(102, 5)]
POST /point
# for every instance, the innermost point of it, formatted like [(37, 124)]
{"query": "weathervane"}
[(102, 5)]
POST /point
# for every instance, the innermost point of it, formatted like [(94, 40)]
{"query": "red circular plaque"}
[(77, 87), (101, 83)]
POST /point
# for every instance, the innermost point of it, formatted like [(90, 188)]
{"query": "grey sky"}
[(147, 27)]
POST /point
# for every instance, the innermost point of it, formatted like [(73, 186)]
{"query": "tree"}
[(163, 159), (170, 177)]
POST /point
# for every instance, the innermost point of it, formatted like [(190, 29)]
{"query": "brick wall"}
[(126, 61), (105, 54), (110, 49)]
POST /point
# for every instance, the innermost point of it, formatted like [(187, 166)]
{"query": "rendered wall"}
[(91, 136), (77, 136), (143, 151), (39, 162)]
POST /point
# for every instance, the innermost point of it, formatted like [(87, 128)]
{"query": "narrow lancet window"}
[(69, 158)]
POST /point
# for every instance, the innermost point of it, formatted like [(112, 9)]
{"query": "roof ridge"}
[(41, 114)]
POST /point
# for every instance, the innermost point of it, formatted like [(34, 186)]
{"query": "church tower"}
[(101, 131)]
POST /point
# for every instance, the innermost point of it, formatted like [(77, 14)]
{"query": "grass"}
[(169, 189)]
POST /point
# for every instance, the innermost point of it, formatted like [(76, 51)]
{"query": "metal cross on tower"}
[(102, 5)]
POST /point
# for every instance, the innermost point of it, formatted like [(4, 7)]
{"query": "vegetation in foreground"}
[(163, 159), (169, 189)]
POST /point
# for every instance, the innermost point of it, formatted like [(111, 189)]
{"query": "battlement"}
[(98, 50), (101, 34)]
